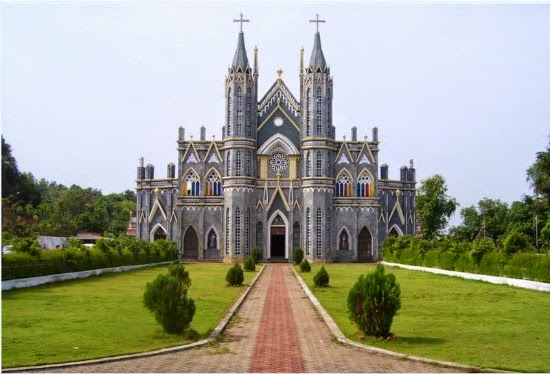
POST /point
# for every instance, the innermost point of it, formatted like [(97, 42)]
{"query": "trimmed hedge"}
[(110, 253), (480, 256)]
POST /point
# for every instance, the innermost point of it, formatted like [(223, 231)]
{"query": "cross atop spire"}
[(241, 20), (317, 21)]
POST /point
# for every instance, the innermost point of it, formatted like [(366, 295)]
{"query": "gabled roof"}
[(279, 90)]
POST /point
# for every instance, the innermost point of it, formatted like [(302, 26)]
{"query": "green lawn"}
[(452, 319), (103, 316)]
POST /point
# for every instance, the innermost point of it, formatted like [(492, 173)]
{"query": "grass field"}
[(103, 316), (452, 319)]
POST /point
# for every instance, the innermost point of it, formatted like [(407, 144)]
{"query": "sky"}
[(87, 88)]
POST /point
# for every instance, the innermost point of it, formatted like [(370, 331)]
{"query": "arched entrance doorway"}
[(190, 244), (364, 246), (277, 237)]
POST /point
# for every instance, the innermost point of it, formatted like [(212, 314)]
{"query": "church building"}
[(278, 179)]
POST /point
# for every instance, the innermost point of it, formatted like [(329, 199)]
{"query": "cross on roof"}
[(317, 21), (241, 20)]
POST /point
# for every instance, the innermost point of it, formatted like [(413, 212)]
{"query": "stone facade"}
[(277, 180)]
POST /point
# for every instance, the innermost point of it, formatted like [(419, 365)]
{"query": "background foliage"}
[(122, 251)]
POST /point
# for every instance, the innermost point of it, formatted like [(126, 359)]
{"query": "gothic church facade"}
[(278, 179)]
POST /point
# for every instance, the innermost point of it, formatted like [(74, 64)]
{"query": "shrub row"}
[(123, 251), (480, 256)]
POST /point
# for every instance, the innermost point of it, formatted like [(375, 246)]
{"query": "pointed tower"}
[(239, 143), (318, 148)]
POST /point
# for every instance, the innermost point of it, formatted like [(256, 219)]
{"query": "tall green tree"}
[(10, 171), (490, 213), (434, 206), (538, 174)]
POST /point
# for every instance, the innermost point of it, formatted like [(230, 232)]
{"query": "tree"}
[(434, 206), (322, 278), (235, 275), (373, 301), (166, 297), (10, 172), (538, 174), (489, 213)]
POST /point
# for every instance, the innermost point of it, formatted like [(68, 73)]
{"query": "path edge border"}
[(220, 327), (339, 335)]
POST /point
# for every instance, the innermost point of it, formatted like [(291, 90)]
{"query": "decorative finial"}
[(344, 138), (213, 137), (279, 73), (191, 137), (241, 20), (317, 21)]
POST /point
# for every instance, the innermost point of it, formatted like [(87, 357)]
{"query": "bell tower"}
[(239, 144), (318, 148)]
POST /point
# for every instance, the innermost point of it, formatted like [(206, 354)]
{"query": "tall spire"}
[(317, 58), (240, 59)]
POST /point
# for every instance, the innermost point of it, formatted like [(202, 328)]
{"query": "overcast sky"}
[(464, 90)]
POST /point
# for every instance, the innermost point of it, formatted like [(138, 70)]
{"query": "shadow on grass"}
[(420, 340)]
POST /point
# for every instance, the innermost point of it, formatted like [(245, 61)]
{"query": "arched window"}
[(191, 185), (239, 124), (308, 164), (319, 110), (247, 232), (227, 230), (308, 232), (238, 164), (260, 235), (296, 235), (318, 164), (319, 233), (343, 241), (343, 185), (229, 111), (248, 166), (329, 111), (308, 114), (214, 184), (227, 163), (327, 233), (237, 231), (364, 186), (212, 239), (248, 110)]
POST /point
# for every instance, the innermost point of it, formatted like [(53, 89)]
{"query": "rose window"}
[(278, 161)]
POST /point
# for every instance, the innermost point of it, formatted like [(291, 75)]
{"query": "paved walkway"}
[(276, 329)]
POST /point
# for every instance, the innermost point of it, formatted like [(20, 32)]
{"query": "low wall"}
[(514, 282), (36, 281)]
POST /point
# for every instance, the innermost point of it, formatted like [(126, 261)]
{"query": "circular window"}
[(278, 121), (278, 162)]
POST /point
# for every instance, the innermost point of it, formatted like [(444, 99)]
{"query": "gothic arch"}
[(156, 236), (341, 243), (287, 230), (365, 188), (213, 188), (395, 231), (193, 188), (190, 244), (207, 238), (365, 246), (343, 188), (278, 140)]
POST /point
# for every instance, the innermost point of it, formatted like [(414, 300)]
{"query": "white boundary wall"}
[(36, 281), (521, 283)]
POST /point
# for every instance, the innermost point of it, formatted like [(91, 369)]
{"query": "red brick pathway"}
[(277, 348)]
